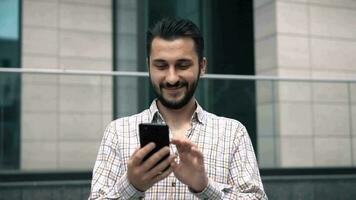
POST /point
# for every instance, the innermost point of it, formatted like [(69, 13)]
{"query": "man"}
[(211, 157)]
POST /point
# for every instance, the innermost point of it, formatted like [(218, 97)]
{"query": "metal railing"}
[(145, 74)]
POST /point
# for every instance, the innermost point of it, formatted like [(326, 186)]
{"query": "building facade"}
[(292, 123)]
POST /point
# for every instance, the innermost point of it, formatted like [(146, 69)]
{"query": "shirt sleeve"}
[(109, 175), (244, 181)]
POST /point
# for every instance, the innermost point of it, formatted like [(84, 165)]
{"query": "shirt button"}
[(173, 184)]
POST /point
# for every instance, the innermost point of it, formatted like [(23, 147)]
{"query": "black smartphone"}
[(157, 133)]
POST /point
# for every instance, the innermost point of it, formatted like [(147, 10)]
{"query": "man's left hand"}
[(190, 169)]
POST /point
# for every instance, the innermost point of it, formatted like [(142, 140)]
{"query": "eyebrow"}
[(159, 60), (184, 60)]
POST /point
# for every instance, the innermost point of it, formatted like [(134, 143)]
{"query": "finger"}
[(174, 165), (178, 141), (186, 146), (161, 167), (136, 150), (163, 175), (180, 144), (151, 161), (141, 153), (133, 155), (197, 153)]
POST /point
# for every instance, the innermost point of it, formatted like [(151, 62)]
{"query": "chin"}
[(174, 100)]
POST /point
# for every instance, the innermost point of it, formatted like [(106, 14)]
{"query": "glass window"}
[(9, 85), (229, 50)]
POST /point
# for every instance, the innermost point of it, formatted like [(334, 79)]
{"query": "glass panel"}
[(9, 121), (226, 94), (265, 124), (132, 95), (129, 50), (352, 90), (227, 46), (9, 33), (9, 85)]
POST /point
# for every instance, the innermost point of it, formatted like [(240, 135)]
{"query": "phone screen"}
[(157, 133)]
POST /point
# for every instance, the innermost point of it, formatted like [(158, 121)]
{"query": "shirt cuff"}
[(128, 191), (210, 192)]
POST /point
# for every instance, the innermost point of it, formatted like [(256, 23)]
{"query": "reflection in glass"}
[(9, 85)]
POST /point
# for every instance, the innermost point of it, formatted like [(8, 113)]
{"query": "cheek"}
[(192, 77), (155, 79)]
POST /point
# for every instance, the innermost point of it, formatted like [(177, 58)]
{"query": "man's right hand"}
[(143, 175)]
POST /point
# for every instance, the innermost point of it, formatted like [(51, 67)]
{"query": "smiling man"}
[(211, 157), (175, 80)]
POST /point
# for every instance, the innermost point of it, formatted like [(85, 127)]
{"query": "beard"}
[(176, 104)]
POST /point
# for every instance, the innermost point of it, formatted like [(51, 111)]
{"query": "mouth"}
[(173, 92), (173, 88)]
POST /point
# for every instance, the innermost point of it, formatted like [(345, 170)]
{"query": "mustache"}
[(177, 84)]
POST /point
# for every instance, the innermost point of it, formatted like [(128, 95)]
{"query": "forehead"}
[(176, 48)]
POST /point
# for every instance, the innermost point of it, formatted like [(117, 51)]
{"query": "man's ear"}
[(203, 64)]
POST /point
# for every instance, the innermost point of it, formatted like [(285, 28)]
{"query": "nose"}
[(172, 76)]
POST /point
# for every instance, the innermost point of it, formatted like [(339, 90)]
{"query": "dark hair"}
[(173, 28)]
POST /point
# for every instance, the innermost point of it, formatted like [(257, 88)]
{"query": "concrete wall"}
[(63, 117), (303, 123)]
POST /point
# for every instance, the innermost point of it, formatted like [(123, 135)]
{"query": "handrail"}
[(145, 74)]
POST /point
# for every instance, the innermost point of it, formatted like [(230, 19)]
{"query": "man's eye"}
[(160, 65), (183, 65)]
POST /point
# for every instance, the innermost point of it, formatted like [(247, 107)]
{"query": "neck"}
[(177, 118)]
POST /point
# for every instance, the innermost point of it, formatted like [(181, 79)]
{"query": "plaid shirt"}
[(229, 160)]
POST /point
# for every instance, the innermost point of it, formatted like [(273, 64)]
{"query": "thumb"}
[(174, 165)]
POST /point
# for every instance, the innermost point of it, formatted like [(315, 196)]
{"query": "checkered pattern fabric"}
[(229, 160)]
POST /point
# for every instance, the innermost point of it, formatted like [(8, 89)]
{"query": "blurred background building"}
[(290, 77)]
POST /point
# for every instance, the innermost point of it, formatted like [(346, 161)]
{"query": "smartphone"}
[(157, 133)]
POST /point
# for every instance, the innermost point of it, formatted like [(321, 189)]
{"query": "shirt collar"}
[(156, 117)]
